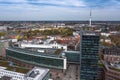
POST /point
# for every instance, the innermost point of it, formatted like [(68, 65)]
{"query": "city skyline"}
[(36, 10)]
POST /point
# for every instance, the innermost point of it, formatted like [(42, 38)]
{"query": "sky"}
[(46, 10)]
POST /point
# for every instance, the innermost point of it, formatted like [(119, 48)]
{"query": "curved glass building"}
[(36, 58)]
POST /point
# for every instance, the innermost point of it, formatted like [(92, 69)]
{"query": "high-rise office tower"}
[(89, 46)]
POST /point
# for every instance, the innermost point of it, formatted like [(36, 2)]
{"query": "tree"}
[(2, 34), (19, 37), (115, 39)]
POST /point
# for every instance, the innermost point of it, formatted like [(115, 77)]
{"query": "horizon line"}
[(55, 20)]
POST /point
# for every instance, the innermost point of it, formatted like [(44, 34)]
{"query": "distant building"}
[(3, 28), (108, 41), (54, 45), (62, 25), (3, 45), (105, 34), (34, 74), (111, 55), (112, 72), (89, 47)]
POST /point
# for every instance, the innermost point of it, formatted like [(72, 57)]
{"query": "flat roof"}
[(31, 52), (75, 52), (28, 52), (37, 73), (51, 51), (89, 32)]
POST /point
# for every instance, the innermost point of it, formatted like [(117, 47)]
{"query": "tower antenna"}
[(90, 18)]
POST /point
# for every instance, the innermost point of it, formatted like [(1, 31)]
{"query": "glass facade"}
[(46, 61), (89, 57), (47, 76), (73, 56)]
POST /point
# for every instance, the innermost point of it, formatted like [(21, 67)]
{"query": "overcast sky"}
[(59, 9)]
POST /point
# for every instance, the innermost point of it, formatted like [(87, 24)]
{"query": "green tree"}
[(115, 40), (3, 34)]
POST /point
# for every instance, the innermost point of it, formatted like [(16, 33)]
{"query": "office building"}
[(35, 74), (27, 58), (89, 46)]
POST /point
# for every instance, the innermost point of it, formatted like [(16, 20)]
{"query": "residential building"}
[(111, 54)]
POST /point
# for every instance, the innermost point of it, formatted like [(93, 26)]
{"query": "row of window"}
[(36, 59), (11, 74)]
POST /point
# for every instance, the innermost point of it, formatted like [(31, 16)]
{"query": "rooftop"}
[(37, 73), (51, 51), (112, 51), (89, 32), (35, 52), (112, 66), (15, 68), (116, 69), (34, 74)]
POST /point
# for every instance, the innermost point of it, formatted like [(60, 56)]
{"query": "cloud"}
[(58, 3), (59, 9), (76, 3), (64, 3)]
